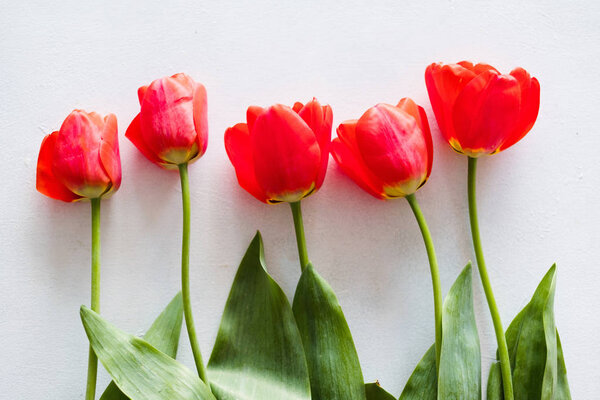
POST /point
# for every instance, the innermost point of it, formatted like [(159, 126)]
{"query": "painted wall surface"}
[(538, 201)]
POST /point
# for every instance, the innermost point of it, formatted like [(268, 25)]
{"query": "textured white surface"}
[(538, 201)]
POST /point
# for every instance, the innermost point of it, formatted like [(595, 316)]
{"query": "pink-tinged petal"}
[(287, 154), (353, 167), (77, 155), (530, 105), (485, 113), (200, 119), (319, 119), (239, 151), (418, 113), (251, 114), (109, 151), (134, 134), (393, 148), (444, 84), (46, 182), (167, 119)]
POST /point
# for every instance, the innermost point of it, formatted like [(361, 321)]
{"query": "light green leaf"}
[(140, 370), (422, 384), (534, 348), (258, 352), (376, 392), (163, 334), (460, 359), (332, 359)]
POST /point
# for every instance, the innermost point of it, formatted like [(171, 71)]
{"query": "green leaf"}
[(258, 352), (422, 384), (534, 347), (140, 370), (163, 334), (332, 359), (562, 385), (376, 392), (494, 386), (460, 358)]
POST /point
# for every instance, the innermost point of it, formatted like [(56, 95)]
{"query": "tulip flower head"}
[(172, 127), (479, 110), (388, 151), (81, 160), (280, 154)]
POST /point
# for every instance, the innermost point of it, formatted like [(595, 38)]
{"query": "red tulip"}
[(281, 153), (172, 126), (81, 160), (388, 151), (478, 109)]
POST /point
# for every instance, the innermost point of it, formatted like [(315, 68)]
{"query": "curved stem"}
[(487, 287), (435, 274), (185, 274), (90, 391), (300, 239)]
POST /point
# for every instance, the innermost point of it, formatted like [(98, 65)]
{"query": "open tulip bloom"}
[(480, 112), (81, 162)]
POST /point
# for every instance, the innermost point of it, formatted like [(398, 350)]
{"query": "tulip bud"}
[(81, 160), (388, 152), (172, 126), (281, 153), (479, 110)]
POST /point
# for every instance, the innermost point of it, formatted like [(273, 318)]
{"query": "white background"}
[(538, 201)]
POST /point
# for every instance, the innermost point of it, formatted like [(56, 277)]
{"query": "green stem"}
[(185, 274), (487, 287), (435, 275), (300, 239), (90, 391)]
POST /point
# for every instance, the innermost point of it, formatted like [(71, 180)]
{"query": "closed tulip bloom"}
[(281, 153), (388, 151), (479, 110), (172, 127), (81, 160)]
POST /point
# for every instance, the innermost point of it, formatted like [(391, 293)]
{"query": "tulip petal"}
[(352, 167), (530, 105), (109, 151), (141, 93), (418, 113), (485, 113), (251, 114), (290, 156), (239, 151), (134, 134), (200, 119), (297, 106), (46, 182), (444, 83), (319, 119)]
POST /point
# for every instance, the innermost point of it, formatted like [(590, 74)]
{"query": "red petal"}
[(239, 151), (530, 105), (485, 113), (297, 106), (200, 119), (109, 151), (409, 106), (352, 167), (46, 182), (141, 93), (134, 134), (251, 115), (287, 156), (319, 119)]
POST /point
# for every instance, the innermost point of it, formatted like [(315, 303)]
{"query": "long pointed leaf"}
[(332, 359), (140, 370), (562, 385), (163, 334), (422, 384), (258, 353), (376, 392), (494, 386), (460, 359)]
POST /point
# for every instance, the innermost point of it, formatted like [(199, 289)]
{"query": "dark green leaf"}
[(332, 359), (163, 334), (376, 392), (562, 386), (460, 359), (422, 384), (494, 386), (258, 353), (140, 370)]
